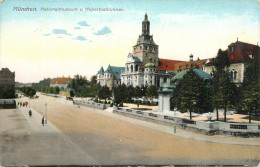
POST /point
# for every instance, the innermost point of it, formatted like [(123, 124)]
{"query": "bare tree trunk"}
[(190, 115), (225, 114), (250, 111), (217, 113)]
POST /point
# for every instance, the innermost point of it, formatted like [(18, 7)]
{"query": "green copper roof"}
[(145, 39), (116, 71), (149, 65), (200, 73), (136, 59), (166, 87), (101, 71), (170, 72)]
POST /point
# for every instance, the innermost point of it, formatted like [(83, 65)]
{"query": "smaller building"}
[(198, 64), (166, 90), (7, 83), (7, 78), (239, 54), (110, 77), (62, 83)]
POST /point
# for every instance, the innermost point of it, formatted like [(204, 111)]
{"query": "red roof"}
[(240, 51), (167, 64), (60, 80)]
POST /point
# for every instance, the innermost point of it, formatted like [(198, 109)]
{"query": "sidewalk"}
[(179, 132), (35, 121)]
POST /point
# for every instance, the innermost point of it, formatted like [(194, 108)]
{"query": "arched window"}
[(233, 74), (131, 68), (136, 67)]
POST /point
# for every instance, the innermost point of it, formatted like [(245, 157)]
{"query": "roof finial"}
[(145, 16)]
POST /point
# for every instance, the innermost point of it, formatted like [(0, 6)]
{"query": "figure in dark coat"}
[(42, 121)]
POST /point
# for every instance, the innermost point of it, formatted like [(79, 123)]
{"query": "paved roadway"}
[(24, 141)]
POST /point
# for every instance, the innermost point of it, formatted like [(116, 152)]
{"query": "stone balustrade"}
[(206, 127)]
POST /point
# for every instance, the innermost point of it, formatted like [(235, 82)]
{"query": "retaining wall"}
[(206, 127), (91, 104)]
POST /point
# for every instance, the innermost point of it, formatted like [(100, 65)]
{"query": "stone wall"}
[(205, 127), (91, 104)]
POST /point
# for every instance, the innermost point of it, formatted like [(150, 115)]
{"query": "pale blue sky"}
[(69, 43)]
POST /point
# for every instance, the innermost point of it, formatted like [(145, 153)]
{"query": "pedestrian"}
[(30, 113), (42, 121)]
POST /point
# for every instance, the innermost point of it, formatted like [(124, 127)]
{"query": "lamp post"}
[(46, 113), (194, 103)]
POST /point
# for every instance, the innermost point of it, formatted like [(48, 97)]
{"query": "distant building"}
[(62, 83), (7, 83), (239, 53), (110, 77), (7, 78), (197, 64), (143, 67)]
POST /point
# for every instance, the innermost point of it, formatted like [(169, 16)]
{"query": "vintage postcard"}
[(136, 83)]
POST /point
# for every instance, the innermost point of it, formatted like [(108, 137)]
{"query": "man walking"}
[(42, 121)]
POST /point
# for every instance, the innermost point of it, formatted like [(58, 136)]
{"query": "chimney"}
[(191, 57)]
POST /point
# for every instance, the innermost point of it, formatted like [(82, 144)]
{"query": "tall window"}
[(233, 74), (136, 67)]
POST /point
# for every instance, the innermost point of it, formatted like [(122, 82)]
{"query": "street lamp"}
[(46, 113)]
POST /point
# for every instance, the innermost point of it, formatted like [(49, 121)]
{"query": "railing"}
[(205, 126), (232, 126), (186, 121)]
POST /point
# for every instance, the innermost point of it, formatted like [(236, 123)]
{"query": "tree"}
[(71, 93), (192, 94), (42, 84), (129, 93), (93, 80), (28, 91), (7, 92), (151, 91), (221, 63), (226, 93), (143, 90), (251, 87), (119, 94), (56, 90), (104, 92), (138, 92), (79, 84)]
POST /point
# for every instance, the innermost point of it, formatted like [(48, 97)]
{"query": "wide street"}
[(84, 136)]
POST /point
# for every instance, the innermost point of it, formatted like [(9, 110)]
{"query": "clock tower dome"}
[(146, 49)]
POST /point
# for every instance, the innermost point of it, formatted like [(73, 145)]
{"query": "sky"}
[(41, 44)]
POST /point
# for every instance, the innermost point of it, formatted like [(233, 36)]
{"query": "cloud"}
[(37, 30), (46, 34), (60, 31), (77, 28), (83, 23), (80, 38), (90, 41), (105, 30)]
